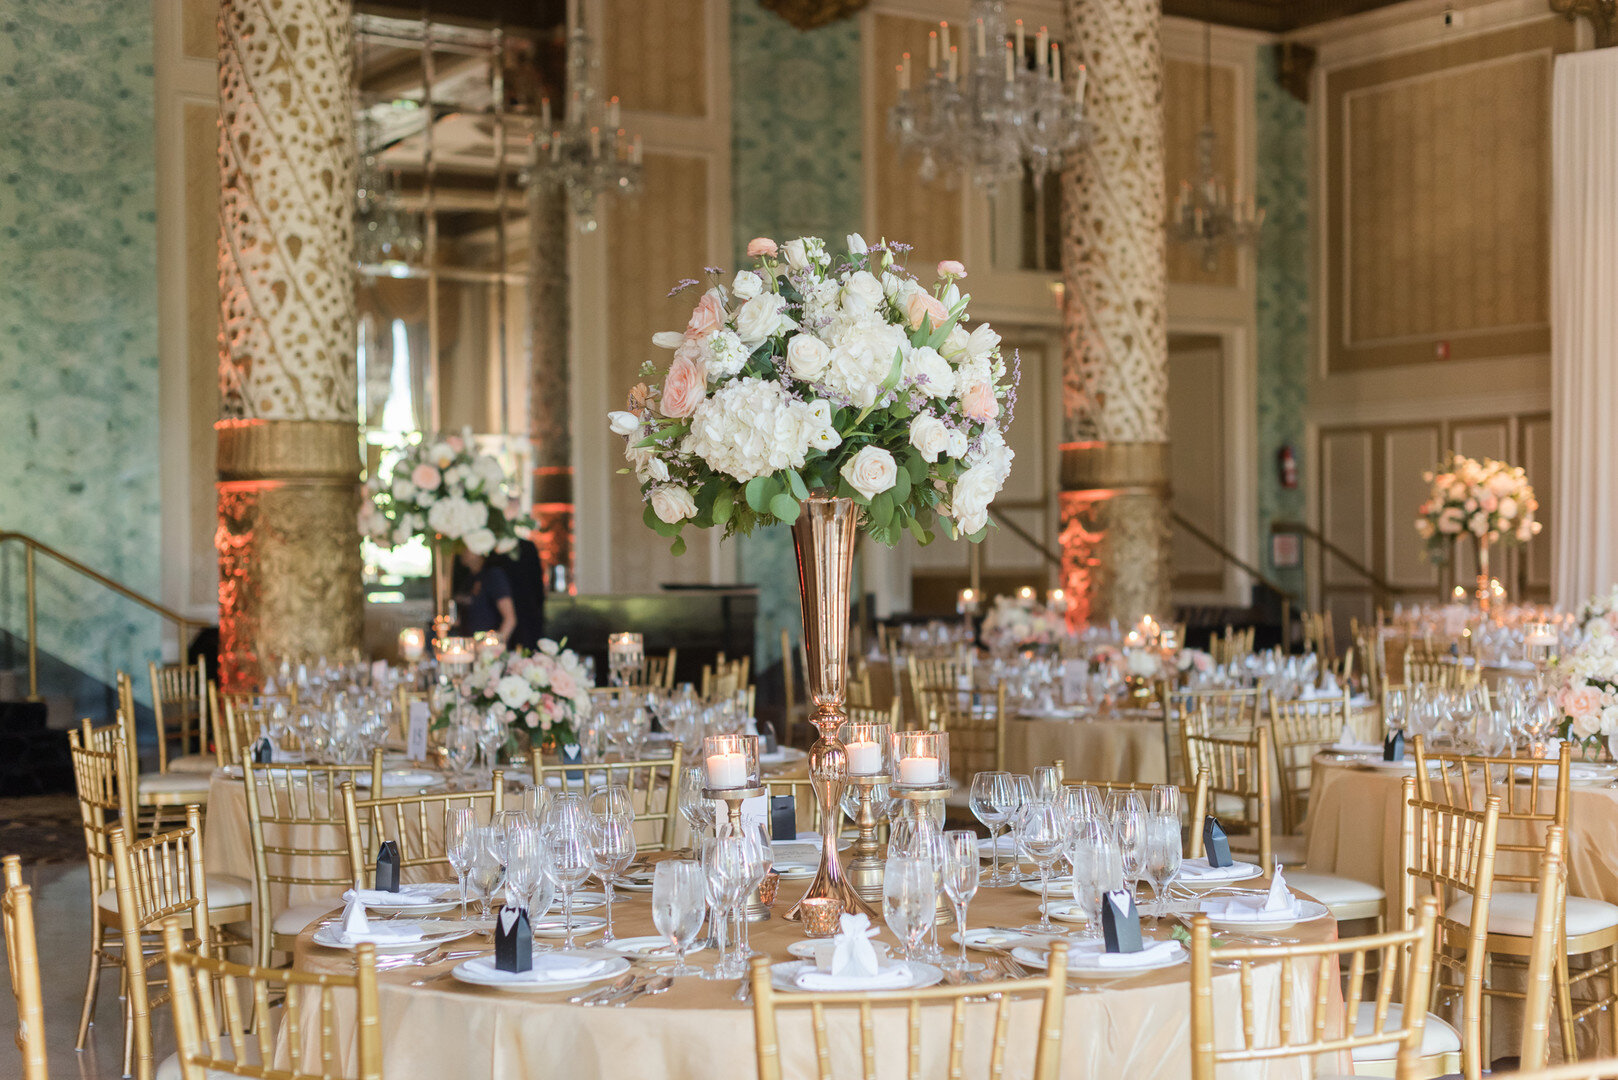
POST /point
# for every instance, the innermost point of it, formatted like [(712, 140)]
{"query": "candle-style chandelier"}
[(588, 154), (1206, 214), (987, 111)]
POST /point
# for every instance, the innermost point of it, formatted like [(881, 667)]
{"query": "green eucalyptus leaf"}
[(901, 486), (678, 547), (796, 485), (758, 494), (723, 503), (784, 507)]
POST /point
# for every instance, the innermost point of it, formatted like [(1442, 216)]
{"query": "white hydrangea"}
[(725, 354), (751, 428), (454, 516)]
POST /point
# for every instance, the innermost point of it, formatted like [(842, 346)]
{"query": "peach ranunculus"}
[(1581, 702), (951, 268), (685, 388), (761, 246), (923, 304), (708, 318), (978, 402), (425, 477)]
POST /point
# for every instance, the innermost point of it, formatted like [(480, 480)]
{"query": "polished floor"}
[(62, 917)]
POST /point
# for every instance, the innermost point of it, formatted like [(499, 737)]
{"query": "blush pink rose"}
[(425, 476), (978, 402), (1581, 702), (708, 318), (563, 684), (761, 246), (923, 304), (455, 443), (951, 268), (685, 388)]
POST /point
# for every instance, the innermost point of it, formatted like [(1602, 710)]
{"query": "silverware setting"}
[(594, 997), (655, 985)]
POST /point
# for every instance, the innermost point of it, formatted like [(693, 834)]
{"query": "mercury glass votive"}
[(730, 762), (867, 748), (920, 758), (822, 915), (626, 655)]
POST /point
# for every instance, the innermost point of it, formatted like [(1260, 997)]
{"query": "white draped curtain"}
[(1584, 321)]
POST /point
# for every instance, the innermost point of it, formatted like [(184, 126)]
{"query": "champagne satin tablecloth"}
[(1135, 1026), (1118, 745)]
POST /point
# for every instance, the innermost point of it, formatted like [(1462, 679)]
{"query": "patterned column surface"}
[(549, 386), (288, 442), (1115, 349)]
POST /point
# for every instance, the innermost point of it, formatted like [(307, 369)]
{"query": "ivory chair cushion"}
[(1437, 1037), (1512, 914), (293, 918), (224, 891), (175, 783), (194, 763)]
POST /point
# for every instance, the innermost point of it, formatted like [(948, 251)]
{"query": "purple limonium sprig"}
[(1011, 392), (716, 271), (682, 285)]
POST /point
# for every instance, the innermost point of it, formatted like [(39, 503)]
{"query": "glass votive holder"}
[(768, 888), (454, 652), (822, 915), (730, 762), (412, 644), (626, 655), (867, 748), (488, 644), (920, 758)]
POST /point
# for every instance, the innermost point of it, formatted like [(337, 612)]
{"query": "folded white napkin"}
[(1199, 870), (356, 928), (1152, 953), (893, 977), (354, 921), (1277, 903), (1346, 736), (381, 898), (852, 954)]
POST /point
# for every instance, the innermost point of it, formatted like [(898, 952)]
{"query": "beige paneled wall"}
[(1198, 454), (655, 55), (1183, 115)]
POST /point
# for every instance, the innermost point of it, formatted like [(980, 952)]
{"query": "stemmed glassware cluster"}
[(735, 862)]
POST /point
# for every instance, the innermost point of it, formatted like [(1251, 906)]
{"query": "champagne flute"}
[(459, 822), (988, 801), (961, 883), (679, 901)]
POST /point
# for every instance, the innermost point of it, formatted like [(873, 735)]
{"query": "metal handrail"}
[(1288, 601), (30, 546), (1378, 582), (1026, 537)]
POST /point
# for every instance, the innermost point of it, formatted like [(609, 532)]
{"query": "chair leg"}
[(1564, 1007), (1612, 993), (129, 1037), (92, 984), (1487, 1019)]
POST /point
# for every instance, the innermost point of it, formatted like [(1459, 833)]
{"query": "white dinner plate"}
[(1081, 960), (1068, 911), (991, 937), (804, 948), (796, 871), (480, 971), (783, 976), (554, 926), (425, 907), (1197, 874), (1308, 910), (400, 778), (1403, 765), (651, 949), (330, 936), (1061, 885), (637, 881), (782, 755), (1578, 775)]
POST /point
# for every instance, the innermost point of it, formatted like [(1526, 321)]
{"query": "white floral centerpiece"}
[(838, 374), (1488, 500), (1587, 690), (442, 488), (1603, 607), (1021, 622), (541, 693)]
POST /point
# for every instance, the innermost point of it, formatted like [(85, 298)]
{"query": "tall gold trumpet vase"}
[(1485, 583), (443, 552), (823, 539)]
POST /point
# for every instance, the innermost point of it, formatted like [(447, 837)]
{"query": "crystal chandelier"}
[(588, 154), (384, 233), (997, 116), (1206, 215)]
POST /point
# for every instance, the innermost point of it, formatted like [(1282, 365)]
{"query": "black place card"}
[(513, 940), (1120, 922), (263, 751), (783, 817), (387, 867), (1215, 844), (1393, 748)]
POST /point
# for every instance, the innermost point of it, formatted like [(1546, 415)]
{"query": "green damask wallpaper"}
[(78, 321), (1283, 298), (795, 141)]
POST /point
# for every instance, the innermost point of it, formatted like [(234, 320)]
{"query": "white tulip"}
[(623, 423)]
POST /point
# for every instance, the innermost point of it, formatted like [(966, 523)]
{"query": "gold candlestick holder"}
[(865, 856), (757, 910)]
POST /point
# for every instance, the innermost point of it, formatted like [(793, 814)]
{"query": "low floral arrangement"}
[(813, 372), (1587, 693), (545, 692), (1188, 661), (1488, 500), (1020, 623), (443, 488), (1603, 607)]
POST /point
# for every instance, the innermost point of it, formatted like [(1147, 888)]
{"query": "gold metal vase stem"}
[(1485, 584), (823, 540), (443, 552)]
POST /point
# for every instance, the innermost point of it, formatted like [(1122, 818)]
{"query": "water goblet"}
[(487, 871), (679, 901), (990, 795), (1041, 837), (612, 846)]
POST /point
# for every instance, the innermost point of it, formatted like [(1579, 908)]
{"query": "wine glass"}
[(572, 857), (612, 848), (725, 861), (961, 883), (758, 855), (1097, 870), (1041, 837), (1166, 800), (1129, 826), (1047, 782), (612, 800), (1163, 855), (491, 736), (460, 748), (679, 901), (522, 862), (1395, 709), (459, 822), (909, 900), (697, 810), (488, 867), (988, 800)]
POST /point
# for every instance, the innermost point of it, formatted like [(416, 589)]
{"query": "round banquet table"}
[(1135, 1026), (1113, 745)]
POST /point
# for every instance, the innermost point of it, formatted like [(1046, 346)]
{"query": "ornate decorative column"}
[(289, 556), (1114, 501), (549, 426)]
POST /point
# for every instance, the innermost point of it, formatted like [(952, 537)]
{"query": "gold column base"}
[(289, 554), (1115, 531)]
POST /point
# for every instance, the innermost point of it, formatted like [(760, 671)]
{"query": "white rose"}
[(479, 541), (871, 472), (862, 291), (807, 357), (970, 500), (668, 339), (796, 256), (929, 435), (856, 244), (760, 317), (623, 423), (513, 690), (672, 503), (957, 444), (929, 372), (746, 285), (489, 470), (403, 488)]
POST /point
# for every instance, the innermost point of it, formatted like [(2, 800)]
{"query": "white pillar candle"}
[(1011, 67), (614, 112), (1021, 39), (412, 643), (864, 758), (943, 35), (1056, 62), (727, 770), (983, 48), (1078, 91), (918, 770), (932, 51)]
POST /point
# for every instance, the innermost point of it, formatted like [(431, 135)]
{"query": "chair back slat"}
[(976, 723), (415, 822), (654, 791), (1301, 729), (1238, 768), (1530, 800), (180, 705)]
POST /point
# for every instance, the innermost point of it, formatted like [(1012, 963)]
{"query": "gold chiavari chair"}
[(833, 1033), (933, 673), (858, 690), (296, 826), (724, 677), (796, 712), (102, 807), (241, 726), (1529, 807), (235, 1043), (180, 704), (415, 822), (869, 714), (1223, 712), (976, 724), (654, 790), (1448, 853), (1238, 786), (158, 878), (22, 957), (1544, 956), (1193, 800), (159, 791), (1318, 637), (1603, 1069), (1310, 1019), (1299, 730), (660, 670)]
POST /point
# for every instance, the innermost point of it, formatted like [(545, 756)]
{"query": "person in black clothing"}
[(488, 605), (527, 574)]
